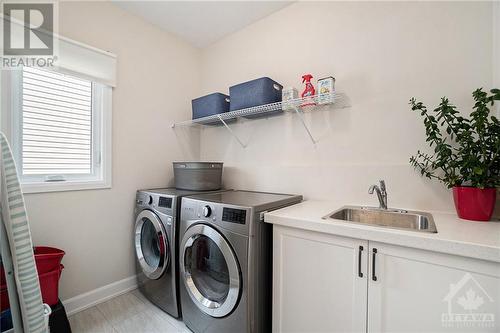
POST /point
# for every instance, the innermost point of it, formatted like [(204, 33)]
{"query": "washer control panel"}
[(229, 217)]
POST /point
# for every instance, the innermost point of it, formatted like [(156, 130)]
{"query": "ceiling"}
[(202, 23)]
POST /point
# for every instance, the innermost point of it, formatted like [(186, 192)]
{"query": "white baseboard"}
[(99, 295)]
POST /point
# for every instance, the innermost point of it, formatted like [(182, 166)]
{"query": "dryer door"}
[(209, 270), (151, 244)]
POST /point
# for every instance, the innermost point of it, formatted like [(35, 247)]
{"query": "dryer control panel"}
[(157, 202), (164, 202), (234, 215)]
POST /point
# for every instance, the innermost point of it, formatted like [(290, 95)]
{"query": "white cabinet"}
[(317, 287), (412, 290)]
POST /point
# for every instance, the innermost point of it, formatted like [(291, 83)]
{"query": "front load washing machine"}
[(225, 260), (155, 240)]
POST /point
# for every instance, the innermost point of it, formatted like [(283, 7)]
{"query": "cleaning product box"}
[(288, 95), (326, 90)]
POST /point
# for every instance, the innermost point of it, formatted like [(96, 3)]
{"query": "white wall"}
[(496, 46), (496, 73), (382, 54), (157, 78)]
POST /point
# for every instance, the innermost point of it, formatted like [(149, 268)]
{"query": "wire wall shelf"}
[(328, 101)]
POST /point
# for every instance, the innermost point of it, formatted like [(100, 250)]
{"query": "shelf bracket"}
[(231, 132), (301, 118)]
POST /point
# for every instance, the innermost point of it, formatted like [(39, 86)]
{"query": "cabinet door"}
[(316, 283), (411, 290)]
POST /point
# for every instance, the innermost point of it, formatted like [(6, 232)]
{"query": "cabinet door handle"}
[(374, 254), (360, 252)]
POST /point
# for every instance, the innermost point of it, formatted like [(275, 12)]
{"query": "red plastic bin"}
[(4, 298), (48, 265), (49, 285), (47, 259)]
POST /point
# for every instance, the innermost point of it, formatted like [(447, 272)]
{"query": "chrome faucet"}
[(381, 194)]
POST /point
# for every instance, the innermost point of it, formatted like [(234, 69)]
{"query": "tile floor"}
[(128, 313)]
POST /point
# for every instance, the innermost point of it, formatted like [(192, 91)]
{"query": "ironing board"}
[(15, 224)]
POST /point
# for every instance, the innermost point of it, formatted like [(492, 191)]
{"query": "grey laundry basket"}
[(198, 176)]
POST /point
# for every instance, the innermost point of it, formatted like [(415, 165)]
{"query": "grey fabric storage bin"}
[(209, 105), (254, 93)]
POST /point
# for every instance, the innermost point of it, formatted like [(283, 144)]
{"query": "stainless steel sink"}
[(388, 218)]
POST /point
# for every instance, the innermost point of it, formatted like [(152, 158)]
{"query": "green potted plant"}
[(466, 153)]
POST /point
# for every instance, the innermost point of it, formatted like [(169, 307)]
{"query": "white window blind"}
[(56, 125)]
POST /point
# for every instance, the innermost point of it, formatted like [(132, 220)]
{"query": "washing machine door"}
[(151, 244), (209, 270)]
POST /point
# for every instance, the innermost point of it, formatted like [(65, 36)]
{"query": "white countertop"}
[(480, 240)]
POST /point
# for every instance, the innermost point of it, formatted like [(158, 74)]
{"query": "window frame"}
[(101, 141)]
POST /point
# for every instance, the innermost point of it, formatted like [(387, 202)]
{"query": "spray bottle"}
[(308, 91)]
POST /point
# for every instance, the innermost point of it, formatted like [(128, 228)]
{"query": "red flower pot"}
[(473, 203)]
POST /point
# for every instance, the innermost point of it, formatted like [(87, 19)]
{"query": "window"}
[(61, 131)]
